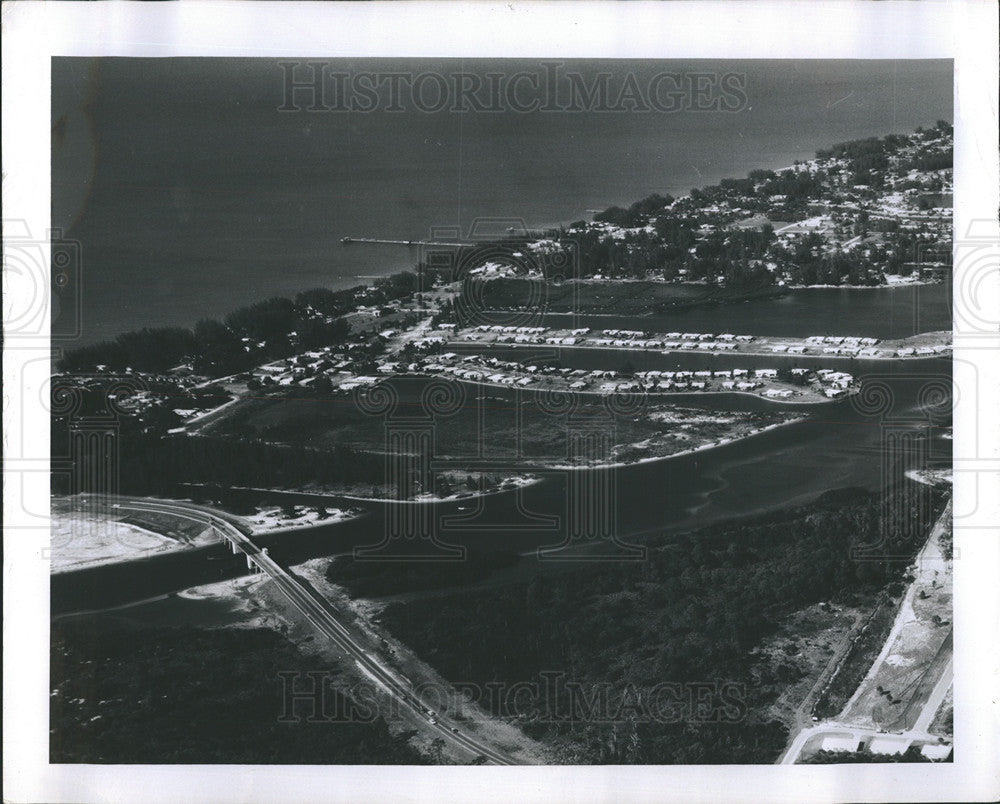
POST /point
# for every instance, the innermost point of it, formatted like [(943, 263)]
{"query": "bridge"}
[(318, 613)]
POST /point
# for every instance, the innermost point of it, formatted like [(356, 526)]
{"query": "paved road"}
[(936, 698), (324, 621), (944, 660), (831, 728)]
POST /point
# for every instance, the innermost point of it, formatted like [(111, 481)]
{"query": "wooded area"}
[(692, 612)]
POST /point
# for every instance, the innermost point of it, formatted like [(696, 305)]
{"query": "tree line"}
[(266, 330)]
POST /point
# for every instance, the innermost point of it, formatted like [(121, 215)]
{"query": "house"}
[(886, 745), (936, 752), (840, 743)]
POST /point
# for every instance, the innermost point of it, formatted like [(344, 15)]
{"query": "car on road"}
[(433, 721)]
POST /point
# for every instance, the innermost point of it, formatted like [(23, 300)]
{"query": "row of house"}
[(838, 340), (922, 351)]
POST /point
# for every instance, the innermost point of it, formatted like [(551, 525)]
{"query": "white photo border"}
[(965, 31)]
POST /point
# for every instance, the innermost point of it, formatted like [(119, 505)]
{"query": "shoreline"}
[(654, 395), (886, 286), (683, 453), (655, 350), (520, 482)]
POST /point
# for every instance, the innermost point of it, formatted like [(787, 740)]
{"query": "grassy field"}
[(534, 434)]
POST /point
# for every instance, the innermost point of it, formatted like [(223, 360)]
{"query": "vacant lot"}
[(918, 648), (85, 536)]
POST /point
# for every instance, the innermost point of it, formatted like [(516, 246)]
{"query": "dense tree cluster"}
[(692, 612), (696, 237), (153, 350), (912, 754), (267, 330), (637, 214), (150, 461), (190, 696)]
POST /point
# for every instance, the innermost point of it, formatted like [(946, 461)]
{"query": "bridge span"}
[(319, 614)]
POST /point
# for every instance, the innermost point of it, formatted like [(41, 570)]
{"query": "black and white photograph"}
[(627, 414)]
